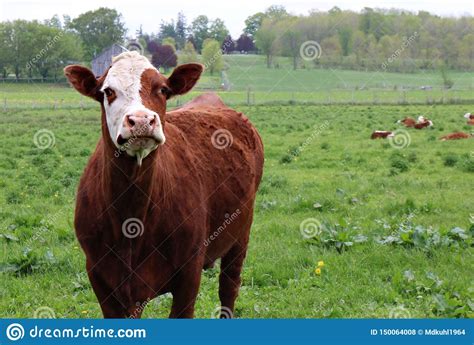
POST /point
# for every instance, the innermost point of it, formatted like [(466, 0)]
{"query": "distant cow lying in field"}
[(470, 118), (423, 123), (407, 122), (152, 213), (381, 134), (456, 136)]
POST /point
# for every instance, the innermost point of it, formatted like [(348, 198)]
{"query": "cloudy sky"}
[(149, 13)]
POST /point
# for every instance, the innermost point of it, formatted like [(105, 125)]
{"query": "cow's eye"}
[(109, 92), (165, 91)]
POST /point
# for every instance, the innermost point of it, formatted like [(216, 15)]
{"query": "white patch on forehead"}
[(124, 78), (126, 71)]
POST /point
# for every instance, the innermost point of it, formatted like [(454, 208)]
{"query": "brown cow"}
[(152, 213), (423, 123), (455, 136), (381, 134), (470, 118), (407, 122)]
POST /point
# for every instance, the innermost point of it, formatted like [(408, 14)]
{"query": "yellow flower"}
[(84, 311), (320, 263), (317, 271)]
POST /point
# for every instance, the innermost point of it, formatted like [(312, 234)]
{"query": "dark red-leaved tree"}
[(245, 44), (228, 45), (164, 57), (152, 46)]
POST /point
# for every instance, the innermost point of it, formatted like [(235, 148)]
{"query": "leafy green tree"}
[(253, 23), (169, 41), (31, 48), (218, 30), (167, 29), (21, 44), (188, 54), (276, 12), (53, 48), (290, 39), (212, 56), (345, 39), (200, 31), (99, 29), (265, 40), (181, 31)]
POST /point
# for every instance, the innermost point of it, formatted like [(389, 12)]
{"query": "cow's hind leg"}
[(229, 278)]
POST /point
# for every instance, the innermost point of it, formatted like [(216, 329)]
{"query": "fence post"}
[(4, 104), (248, 96)]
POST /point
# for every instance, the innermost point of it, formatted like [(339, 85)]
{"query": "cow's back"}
[(227, 155)]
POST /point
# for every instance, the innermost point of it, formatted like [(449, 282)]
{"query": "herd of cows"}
[(146, 212), (423, 122)]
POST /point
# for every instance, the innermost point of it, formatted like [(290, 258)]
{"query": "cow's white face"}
[(134, 95), (133, 127)]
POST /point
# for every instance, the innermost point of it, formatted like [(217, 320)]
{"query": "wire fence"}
[(47, 95), (254, 99)]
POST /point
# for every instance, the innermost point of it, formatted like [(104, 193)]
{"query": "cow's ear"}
[(184, 77), (84, 81)]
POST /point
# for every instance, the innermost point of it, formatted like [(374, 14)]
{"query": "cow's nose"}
[(140, 121)]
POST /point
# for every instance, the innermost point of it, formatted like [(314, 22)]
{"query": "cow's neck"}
[(129, 187)]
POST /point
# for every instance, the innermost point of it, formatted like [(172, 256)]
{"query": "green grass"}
[(252, 83), (250, 71), (337, 176)]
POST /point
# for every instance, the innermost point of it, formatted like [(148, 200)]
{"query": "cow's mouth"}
[(137, 140), (139, 147)]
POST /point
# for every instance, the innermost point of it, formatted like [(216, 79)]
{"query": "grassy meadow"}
[(251, 83), (393, 225)]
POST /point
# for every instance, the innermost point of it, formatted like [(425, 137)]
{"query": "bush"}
[(399, 164), (468, 165), (450, 160)]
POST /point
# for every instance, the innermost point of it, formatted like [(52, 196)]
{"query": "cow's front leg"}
[(110, 305), (185, 289)]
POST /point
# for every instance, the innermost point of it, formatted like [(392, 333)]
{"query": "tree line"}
[(393, 40)]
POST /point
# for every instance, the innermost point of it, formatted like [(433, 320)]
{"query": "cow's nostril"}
[(152, 122), (131, 122)]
